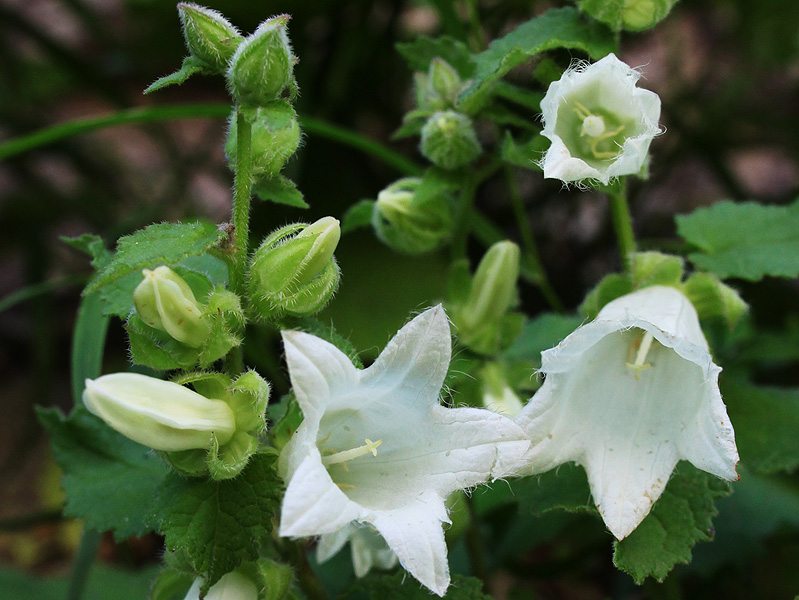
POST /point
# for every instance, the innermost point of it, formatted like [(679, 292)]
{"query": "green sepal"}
[(275, 578), (609, 288), (526, 154), (227, 461), (191, 463), (357, 216), (655, 268), (286, 424), (275, 137), (711, 297), (170, 585), (191, 66), (249, 396)]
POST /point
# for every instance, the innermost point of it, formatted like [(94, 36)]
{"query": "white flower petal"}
[(629, 432), (414, 533)]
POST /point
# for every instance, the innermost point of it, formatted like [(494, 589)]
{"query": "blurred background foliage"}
[(726, 70)]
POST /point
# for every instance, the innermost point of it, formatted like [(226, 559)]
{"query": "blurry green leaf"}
[(521, 96), (525, 155), (712, 298), (109, 480), (680, 518), (557, 28), (400, 587), (170, 585), (502, 115), (93, 245), (421, 52), (126, 585), (191, 66), (633, 15), (746, 240), (88, 343), (766, 422), (357, 216), (281, 190), (541, 333), (161, 243), (608, 289), (219, 523)]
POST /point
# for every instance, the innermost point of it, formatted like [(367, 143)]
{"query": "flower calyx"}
[(210, 37)]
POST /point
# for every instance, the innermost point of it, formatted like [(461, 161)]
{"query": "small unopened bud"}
[(231, 586), (449, 140), (444, 80), (294, 270), (408, 223), (263, 64), (209, 36), (165, 301), (275, 137), (493, 288), (159, 414)]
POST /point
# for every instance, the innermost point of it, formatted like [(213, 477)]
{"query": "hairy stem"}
[(622, 221)]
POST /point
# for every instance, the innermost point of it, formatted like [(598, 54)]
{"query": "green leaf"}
[(280, 190), (93, 245), (170, 585), (766, 420), (358, 216), (525, 155), (88, 343), (218, 524), (746, 240), (632, 15), (521, 96), (191, 66), (126, 585), (161, 243), (557, 28), (680, 518), (109, 480), (400, 587), (421, 52), (541, 333)]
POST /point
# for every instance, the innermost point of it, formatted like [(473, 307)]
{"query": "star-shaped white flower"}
[(376, 447), (627, 396), (599, 122)]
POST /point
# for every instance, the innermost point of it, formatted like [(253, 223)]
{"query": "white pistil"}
[(344, 456), (639, 364), (594, 128)]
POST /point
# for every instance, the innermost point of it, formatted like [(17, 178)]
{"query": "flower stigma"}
[(347, 455), (642, 344), (594, 128)]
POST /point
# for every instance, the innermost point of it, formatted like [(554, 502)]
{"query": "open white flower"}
[(376, 447), (627, 396), (599, 122), (368, 548)]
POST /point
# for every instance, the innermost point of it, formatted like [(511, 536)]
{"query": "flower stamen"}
[(347, 455), (643, 345)]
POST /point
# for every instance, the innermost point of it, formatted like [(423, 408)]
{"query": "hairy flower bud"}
[(275, 137), (444, 80), (209, 36), (449, 140), (409, 222), (294, 270), (263, 64), (159, 414), (165, 301)]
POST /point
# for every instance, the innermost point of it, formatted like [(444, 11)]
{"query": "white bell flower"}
[(627, 396), (376, 447), (600, 124), (368, 548)]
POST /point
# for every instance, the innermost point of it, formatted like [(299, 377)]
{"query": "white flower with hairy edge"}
[(627, 396), (599, 122), (376, 447), (367, 547)]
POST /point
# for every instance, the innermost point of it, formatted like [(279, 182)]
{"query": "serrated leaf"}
[(526, 155), (400, 587), (766, 420), (218, 524), (280, 190), (109, 480), (191, 66), (680, 518), (421, 52), (161, 243), (357, 216), (541, 333), (747, 240), (557, 28)]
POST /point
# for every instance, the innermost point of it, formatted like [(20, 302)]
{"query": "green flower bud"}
[(449, 140), (294, 271), (275, 137), (444, 80), (165, 301), (159, 414), (209, 36), (263, 64), (409, 223)]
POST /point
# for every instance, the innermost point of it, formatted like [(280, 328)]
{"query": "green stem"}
[(622, 221), (307, 579), (463, 216), (529, 247), (87, 552)]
